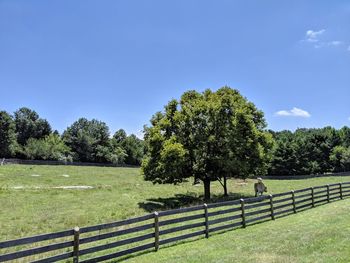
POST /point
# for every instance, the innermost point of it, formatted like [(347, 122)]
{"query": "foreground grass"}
[(30, 205), (321, 234)]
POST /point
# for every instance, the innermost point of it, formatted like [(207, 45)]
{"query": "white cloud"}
[(312, 36), (335, 43), (295, 112), (315, 38), (283, 113)]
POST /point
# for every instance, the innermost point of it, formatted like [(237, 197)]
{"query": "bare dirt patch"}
[(65, 187), (73, 187)]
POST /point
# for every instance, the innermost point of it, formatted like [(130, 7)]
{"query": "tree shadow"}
[(185, 200)]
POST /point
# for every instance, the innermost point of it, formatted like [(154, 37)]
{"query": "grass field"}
[(31, 204), (320, 235)]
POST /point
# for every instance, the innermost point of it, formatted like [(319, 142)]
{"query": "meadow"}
[(34, 201), (319, 235)]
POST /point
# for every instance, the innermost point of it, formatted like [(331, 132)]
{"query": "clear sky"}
[(121, 61)]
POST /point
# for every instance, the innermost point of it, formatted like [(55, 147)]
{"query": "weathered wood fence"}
[(4, 161), (150, 232), (302, 177)]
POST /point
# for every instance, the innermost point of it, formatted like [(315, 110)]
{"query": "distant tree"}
[(344, 134), (56, 148), (117, 156), (120, 136), (35, 149), (29, 125), (340, 158), (208, 136), (50, 148), (85, 138), (284, 156), (8, 142), (306, 151), (131, 145), (314, 149), (134, 149), (111, 154)]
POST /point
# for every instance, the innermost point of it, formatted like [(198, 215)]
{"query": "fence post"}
[(243, 213), (156, 231), (327, 192), (271, 206), (312, 197), (206, 221), (341, 190), (76, 231), (293, 199)]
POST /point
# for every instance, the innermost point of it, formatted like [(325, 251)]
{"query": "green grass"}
[(321, 234), (118, 193)]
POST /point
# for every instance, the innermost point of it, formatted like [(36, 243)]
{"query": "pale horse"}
[(259, 187)]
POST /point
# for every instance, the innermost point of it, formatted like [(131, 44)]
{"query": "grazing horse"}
[(259, 187)]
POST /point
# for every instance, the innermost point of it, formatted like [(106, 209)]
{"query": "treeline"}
[(25, 135), (310, 151)]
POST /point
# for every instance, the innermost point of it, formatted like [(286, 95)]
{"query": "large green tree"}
[(30, 125), (87, 140), (208, 136), (7, 135)]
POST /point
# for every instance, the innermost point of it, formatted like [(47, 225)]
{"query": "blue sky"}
[(121, 61)]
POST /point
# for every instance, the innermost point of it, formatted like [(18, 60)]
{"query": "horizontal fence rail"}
[(301, 176), (4, 161), (149, 232)]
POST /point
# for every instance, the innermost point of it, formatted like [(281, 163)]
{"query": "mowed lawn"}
[(30, 203), (321, 234)]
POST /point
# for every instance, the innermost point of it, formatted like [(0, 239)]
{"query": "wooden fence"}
[(302, 177), (150, 232), (4, 161)]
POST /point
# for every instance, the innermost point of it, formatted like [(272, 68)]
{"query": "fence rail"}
[(302, 176), (4, 161), (98, 243)]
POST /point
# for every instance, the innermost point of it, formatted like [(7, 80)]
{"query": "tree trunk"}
[(225, 186), (206, 189), (196, 180)]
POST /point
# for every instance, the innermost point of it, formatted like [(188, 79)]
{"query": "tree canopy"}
[(8, 143), (208, 136), (51, 147), (202, 132), (86, 138), (27, 136), (29, 125), (310, 151)]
